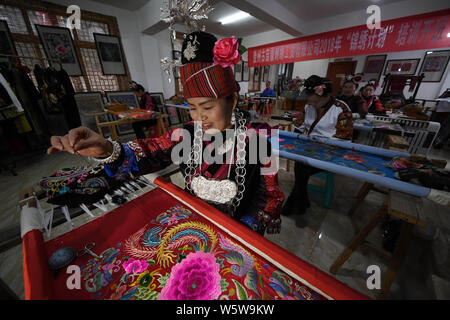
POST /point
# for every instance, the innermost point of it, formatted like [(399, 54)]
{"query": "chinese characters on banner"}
[(425, 31)]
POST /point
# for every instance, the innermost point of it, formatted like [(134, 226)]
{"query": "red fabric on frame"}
[(319, 279), (113, 230), (34, 255)]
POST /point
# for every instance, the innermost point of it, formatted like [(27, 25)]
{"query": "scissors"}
[(87, 249)]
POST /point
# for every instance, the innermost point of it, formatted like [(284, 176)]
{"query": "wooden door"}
[(337, 71)]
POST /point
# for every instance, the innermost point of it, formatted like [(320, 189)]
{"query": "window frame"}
[(55, 9)]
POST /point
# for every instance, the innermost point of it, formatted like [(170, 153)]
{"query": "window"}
[(23, 15), (14, 18), (44, 18), (27, 49), (97, 80), (88, 28)]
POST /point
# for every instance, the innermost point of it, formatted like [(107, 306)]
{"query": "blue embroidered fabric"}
[(129, 164)]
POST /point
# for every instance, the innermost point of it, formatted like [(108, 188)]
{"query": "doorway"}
[(337, 72)]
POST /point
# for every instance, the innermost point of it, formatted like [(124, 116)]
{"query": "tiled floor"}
[(325, 235)]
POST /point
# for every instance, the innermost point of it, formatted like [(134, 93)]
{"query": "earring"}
[(233, 118)]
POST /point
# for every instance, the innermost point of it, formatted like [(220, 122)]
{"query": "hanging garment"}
[(68, 100)]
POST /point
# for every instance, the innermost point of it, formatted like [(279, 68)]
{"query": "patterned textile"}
[(73, 186), (167, 251), (356, 103), (336, 121), (202, 79), (262, 199)]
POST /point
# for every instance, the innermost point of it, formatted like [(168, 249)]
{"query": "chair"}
[(327, 191)]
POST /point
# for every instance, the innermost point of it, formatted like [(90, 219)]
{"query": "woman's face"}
[(368, 91), (317, 101), (213, 113), (348, 89), (139, 93)]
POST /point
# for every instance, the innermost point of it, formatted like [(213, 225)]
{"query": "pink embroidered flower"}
[(319, 89), (195, 278), (61, 50), (135, 266), (226, 52)]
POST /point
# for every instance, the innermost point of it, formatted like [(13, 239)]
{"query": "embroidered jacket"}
[(336, 120), (373, 103), (268, 93), (262, 199), (146, 102), (356, 103)]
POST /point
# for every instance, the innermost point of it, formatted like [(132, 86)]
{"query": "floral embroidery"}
[(192, 261), (129, 164), (195, 278), (134, 266)]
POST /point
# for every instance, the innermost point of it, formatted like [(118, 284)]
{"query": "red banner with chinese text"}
[(425, 31)]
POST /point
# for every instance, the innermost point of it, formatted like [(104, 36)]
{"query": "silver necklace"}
[(219, 191)]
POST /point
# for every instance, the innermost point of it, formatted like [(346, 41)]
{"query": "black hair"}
[(201, 44), (138, 88), (314, 81), (351, 81)]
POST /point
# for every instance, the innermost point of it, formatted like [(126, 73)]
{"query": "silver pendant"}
[(220, 191)]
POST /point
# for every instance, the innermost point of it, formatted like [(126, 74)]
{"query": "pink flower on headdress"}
[(61, 49), (195, 278), (226, 52), (319, 89)]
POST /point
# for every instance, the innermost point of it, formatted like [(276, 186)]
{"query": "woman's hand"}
[(82, 141)]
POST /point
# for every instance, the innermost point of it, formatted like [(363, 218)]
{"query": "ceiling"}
[(309, 10), (290, 16), (128, 4), (244, 27)]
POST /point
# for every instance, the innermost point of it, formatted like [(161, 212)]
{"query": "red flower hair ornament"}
[(226, 52)]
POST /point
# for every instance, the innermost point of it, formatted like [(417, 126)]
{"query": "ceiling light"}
[(448, 35), (429, 52), (234, 17)]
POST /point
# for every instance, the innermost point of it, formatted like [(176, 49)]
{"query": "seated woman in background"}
[(268, 91), (355, 102), (373, 102), (146, 103), (323, 116)]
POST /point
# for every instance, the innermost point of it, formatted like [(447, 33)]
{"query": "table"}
[(355, 160), (147, 245), (127, 116), (370, 165)]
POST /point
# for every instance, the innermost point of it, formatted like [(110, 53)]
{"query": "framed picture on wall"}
[(265, 76), (434, 65), (374, 67), (127, 97), (6, 41), (110, 54), (58, 46), (402, 67), (245, 71), (238, 71), (90, 103), (174, 115)]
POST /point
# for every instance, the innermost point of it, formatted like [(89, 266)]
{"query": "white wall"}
[(129, 33)]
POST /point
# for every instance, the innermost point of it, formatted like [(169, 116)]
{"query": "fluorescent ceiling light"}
[(429, 52), (234, 17)]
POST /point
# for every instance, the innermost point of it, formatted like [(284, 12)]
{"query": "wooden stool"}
[(396, 142), (286, 126), (407, 208)]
